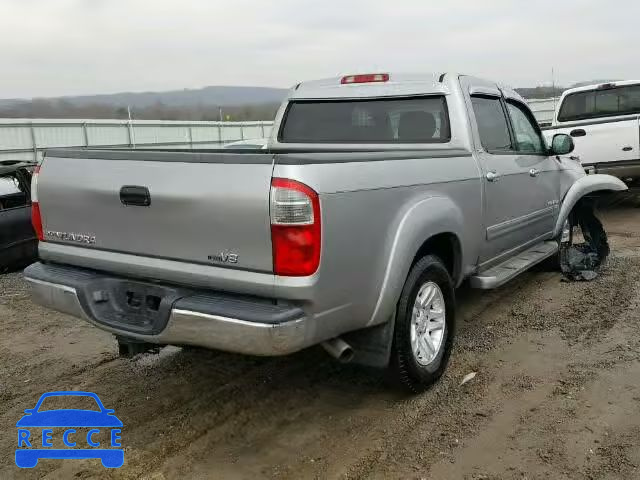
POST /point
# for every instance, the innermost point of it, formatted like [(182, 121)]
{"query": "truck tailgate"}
[(206, 208)]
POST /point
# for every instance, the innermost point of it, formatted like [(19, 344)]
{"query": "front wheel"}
[(425, 324)]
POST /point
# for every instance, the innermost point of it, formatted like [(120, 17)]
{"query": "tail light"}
[(36, 217), (295, 228)]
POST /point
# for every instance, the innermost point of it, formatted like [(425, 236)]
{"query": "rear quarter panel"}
[(376, 213)]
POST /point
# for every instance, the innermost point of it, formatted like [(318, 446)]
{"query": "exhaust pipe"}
[(339, 349)]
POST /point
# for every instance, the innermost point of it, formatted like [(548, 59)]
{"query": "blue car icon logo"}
[(32, 446)]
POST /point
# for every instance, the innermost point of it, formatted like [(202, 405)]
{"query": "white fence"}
[(22, 139), (543, 109)]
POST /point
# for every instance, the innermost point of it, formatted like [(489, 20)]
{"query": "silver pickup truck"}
[(377, 196)]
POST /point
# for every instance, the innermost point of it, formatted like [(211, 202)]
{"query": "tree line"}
[(41, 108)]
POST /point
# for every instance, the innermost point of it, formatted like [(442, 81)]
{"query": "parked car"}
[(378, 195), (18, 241), (603, 120), (255, 143)]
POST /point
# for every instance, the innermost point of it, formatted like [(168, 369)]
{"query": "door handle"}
[(534, 172), (627, 149), (578, 132), (135, 195), (492, 176)]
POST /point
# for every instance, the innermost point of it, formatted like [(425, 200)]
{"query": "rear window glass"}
[(398, 120), (600, 103), (9, 185), (13, 190)]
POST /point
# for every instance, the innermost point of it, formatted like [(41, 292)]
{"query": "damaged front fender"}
[(580, 261), (589, 184)]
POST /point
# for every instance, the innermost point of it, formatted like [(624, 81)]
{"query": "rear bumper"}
[(215, 320)]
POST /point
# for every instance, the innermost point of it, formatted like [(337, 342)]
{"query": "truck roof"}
[(398, 84), (595, 86)]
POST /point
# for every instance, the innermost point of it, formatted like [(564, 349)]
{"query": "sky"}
[(77, 47)]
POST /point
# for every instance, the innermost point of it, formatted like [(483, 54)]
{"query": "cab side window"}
[(492, 124), (528, 138)]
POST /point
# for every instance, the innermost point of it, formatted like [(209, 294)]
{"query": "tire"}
[(417, 371)]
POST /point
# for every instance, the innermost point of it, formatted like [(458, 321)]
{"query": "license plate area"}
[(128, 305)]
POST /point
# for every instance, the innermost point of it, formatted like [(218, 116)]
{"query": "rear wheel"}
[(424, 328)]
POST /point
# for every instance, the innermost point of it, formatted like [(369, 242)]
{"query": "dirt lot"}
[(557, 392)]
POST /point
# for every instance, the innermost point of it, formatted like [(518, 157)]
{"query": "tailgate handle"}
[(578, 132), (135, 195)]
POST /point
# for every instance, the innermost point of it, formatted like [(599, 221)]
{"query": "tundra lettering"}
[(71, 237)]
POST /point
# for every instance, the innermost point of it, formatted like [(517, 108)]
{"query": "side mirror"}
[(562, 144)]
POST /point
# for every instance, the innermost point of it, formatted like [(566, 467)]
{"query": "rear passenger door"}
[(516, 213)]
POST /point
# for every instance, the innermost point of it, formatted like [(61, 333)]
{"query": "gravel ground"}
[(556, 393)]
